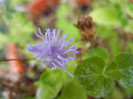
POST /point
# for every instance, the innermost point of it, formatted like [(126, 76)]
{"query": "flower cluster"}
[(53, 52)]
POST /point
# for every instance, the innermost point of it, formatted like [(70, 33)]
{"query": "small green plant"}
[(98, 77)]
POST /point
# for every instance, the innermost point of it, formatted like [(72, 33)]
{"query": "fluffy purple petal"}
[(53, 51)]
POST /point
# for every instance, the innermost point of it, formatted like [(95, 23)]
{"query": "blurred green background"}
[(19, 19)]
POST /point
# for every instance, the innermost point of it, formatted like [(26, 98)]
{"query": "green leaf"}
[(114, 44), (72, 90), (65, 21), (128, 92), (117, 1), (18, 30), (51, 83), (129, 9), (129, 46), (98, 51), (90, 74), (105, 32), (124, 61), (120, 14), (113, 71), (71, 65), (63, 11), (105, 16), (7, 4), (68, 27), (116, 94), (129, 26), (29, 98)]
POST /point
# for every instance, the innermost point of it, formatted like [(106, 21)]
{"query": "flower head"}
[(53, 52)]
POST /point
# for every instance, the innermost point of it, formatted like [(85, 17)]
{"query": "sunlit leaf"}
[(50, 84), (72, 90), (66, 22), (129, 8), (104, 16), (70, 67), (117, 1)]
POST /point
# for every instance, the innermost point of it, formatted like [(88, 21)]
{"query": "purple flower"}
[(53, 52)]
